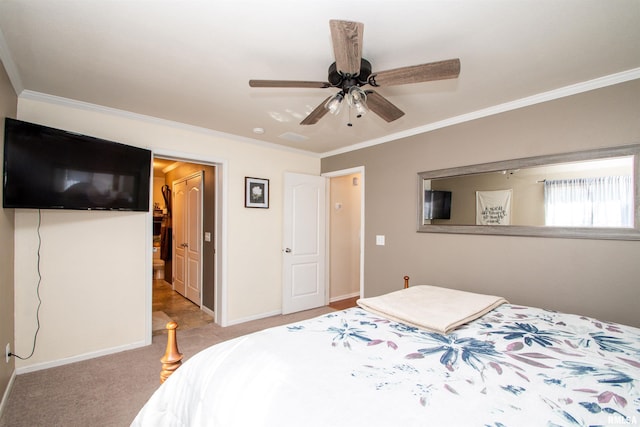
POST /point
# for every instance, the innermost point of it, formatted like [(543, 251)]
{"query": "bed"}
[(506, 365)]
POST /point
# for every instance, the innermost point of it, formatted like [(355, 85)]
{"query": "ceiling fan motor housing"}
[(337, 79)]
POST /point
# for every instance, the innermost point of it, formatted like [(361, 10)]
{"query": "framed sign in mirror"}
[(588, 194)]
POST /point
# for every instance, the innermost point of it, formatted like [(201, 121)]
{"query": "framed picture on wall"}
[(256, 193)]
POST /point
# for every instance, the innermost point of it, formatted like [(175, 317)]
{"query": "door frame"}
[(335, 174), (220, 243)]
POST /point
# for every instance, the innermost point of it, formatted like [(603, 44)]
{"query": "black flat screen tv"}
[(437, 204), (47, 168)]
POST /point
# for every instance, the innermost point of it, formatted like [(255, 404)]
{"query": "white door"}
[(187, 217), (304, 238)]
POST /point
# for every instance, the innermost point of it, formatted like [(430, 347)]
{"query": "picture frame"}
[(256, 193)]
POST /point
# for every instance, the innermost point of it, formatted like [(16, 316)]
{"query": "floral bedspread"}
[(515, 366)]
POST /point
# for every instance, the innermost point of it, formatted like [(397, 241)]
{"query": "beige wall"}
[(96, 286), (592, 277), (344, 208), (8, 102)]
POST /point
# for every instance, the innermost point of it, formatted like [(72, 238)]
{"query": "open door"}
[(304, 252)]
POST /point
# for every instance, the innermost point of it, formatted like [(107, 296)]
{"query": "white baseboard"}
[(341, 297), (256, 317), (79, 358), (7, 392), (277, 313)]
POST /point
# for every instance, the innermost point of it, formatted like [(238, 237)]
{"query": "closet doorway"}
[(183, 278)]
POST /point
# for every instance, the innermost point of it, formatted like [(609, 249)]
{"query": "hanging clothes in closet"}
[(166, 230)]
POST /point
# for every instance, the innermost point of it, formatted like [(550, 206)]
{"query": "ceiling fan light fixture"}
[(357, 99), (334, 105)]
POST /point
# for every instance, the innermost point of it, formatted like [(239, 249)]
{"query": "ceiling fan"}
[(350, 72)]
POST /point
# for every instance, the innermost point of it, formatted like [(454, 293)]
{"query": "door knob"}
[(288, 250)]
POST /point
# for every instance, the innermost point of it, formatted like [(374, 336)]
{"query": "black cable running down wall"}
[(35, 336)]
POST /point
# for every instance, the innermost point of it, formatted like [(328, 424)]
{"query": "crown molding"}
[(551, 95), (563, 92), (86, 106)]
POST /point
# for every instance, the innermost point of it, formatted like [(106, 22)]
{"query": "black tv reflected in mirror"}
[(437, 204), (47, 168)]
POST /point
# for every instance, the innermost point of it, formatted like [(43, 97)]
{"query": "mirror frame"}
[(613, 233)]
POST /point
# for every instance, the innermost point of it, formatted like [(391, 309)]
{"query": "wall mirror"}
[(589, 194)]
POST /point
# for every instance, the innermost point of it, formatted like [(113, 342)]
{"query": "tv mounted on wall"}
[(437, 204), (47, 168)]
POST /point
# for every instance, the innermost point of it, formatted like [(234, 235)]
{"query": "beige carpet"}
[(110, 390)]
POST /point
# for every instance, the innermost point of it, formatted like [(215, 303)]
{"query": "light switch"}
[(380, 240), (207, 236)]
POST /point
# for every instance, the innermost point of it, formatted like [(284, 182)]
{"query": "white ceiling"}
[(190, 61)]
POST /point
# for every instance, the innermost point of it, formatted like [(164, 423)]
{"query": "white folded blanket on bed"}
[(431, 307)]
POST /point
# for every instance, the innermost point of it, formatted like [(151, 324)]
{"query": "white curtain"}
[(589, 202)]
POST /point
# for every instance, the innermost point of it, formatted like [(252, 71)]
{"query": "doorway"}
[(167, 171), (187, 242), (346, 230)]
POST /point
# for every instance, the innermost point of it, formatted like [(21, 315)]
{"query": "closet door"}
[(187, 226)]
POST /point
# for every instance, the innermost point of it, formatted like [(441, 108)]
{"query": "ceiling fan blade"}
[(288, 83), (441, 70), (316, 114), (385, 109), (347, 45)]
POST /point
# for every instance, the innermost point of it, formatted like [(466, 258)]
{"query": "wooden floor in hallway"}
[(169, 305), (344, 304)]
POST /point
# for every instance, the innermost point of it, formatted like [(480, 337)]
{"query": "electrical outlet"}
[(7, 352)]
